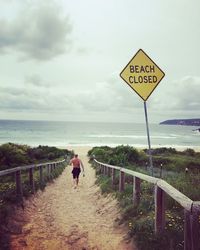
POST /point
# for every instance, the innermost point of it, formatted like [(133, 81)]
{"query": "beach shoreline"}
[(73, 135), (83, 150), (80, 150)]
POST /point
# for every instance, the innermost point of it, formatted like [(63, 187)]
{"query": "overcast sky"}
[(61, 59)]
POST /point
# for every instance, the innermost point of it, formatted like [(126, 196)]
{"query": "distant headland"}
[(183, 122)]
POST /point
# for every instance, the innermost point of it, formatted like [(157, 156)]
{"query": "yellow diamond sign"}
[(142, 74)]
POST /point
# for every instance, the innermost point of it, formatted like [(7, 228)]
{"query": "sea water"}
[(63, 134)]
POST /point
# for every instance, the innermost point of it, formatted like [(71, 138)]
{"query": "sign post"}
[(148, 138), (143, 76)]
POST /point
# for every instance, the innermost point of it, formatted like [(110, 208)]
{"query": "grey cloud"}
[(10, 91), (17, 99), (36, 81), (188, 93), (7, 1), (126, 98), (180, 95), (111, 96), (82, 51), (32, 99), (41, 32)]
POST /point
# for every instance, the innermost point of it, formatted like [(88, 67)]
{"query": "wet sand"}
[(62, 217)]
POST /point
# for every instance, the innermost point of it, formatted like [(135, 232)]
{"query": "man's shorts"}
[(76, 172)]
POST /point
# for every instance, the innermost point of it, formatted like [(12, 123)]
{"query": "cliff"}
[(183, 122)]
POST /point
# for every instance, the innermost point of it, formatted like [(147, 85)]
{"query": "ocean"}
[(63, 134)]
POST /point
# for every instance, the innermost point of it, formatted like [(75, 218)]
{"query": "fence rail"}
[(161, 188), (50, 166)]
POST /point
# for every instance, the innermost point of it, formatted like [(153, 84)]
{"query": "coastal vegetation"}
[(180, 169), (14, 155)]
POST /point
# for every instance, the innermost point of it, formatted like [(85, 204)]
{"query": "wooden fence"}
[(161, 188), (49, 166)]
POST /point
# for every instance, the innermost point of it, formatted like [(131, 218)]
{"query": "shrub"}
[(13, 155), (140, 219), (189, 152), (120, 155)]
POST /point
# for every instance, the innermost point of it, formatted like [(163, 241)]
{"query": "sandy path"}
[(72, 219)]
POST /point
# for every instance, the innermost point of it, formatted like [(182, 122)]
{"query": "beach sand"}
[(62, 217), (80, 150)]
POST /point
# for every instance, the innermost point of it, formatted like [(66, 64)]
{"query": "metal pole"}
[(148, 137)]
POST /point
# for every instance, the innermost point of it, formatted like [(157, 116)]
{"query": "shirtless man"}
[(77, 165)]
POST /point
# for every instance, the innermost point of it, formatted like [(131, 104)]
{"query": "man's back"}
[(76, 162)]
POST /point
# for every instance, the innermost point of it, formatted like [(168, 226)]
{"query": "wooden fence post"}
[(187, 230), (159, 210), (104, 170), (100, 168), (41, 175), (109, 172), (113, 176), (18, 184), (48, 170), (121, 181), (51, 167), (136, 190), (31, 180), (192, 227), (196, 225)]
